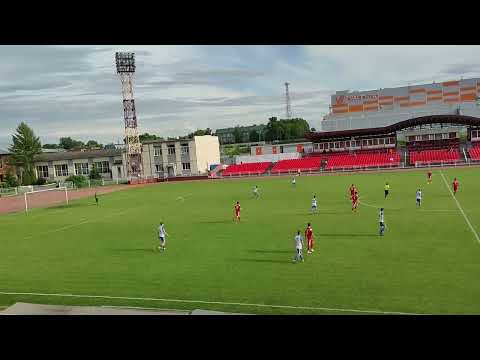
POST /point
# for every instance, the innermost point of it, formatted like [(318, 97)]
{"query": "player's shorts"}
[(419, 201), (455, 189), (314, 206), (161, 238), (386, 192), (382, 224)]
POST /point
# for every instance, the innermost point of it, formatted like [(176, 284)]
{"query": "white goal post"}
[(63, 190)]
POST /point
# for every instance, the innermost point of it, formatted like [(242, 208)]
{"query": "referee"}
[(387, 188)]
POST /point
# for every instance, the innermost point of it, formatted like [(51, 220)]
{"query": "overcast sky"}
[(75, 91)]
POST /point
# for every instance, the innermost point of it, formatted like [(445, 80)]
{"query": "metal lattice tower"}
[(126, 69), (287, 100)]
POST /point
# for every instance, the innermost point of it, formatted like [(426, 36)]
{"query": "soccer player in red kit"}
[(352, 190), (429, 176), (355, 201), (309, 237), (455, 186), (237, 211)]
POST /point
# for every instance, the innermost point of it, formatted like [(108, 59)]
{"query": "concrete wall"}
[(268, 157), (207, 150)]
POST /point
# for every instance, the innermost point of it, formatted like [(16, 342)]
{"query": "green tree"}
[(24, 148), (110, 146), (237, 134), (148, 137), (93, 144), (68, 143), (95, 174), (10, 180), (50, 146), (254, 136)]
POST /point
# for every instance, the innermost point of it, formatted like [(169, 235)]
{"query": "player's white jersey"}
[(314, 203), (161, 231), (419, 195), (381, 217), (298, 242)]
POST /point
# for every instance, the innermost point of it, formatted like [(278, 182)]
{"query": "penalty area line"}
[(460, 208), (212, 303)]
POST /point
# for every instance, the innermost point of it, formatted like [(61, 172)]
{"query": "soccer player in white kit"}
[(256, 195), (314, 204), (381, 218), (294, 181), (162, 233), (419, 197), (298, 248)]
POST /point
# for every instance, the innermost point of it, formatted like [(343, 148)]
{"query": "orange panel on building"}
[(451, 83), (467, 89), (419, 90), (453, 93), (430, 92), (355, 108), (258, 151), (452, 100), (468, 97), (434, 98), (417, 103)]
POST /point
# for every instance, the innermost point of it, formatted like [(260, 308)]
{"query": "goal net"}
[(45, 197)]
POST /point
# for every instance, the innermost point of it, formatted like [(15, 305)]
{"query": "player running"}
[(96, 198), (419, 197), (256, 194), (455, 185), (237, 209), (314, 204), (381, 217), (429, 175), (162, 234), (387, 188), (352, 190), (309, 236), (298, 248), (294, 181), (355, 198)]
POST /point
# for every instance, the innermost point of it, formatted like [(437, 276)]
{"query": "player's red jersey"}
[(429, 174), (355, 198), (352, 190), (237, 209), (308, 232), (455, 185)]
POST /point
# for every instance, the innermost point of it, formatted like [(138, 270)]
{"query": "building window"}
[(157, 151), (444, 136), (42, 172), (185, 149), (61, 170), (186, 166), (102, 167), (418, 137), (375, 141), (158, 168), (81, 168), (381, 141), (431, 137), (171, 149)]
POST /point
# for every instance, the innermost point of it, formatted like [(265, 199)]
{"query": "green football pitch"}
[(428, 262)]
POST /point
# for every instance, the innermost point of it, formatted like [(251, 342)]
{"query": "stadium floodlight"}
[(125, 62), (46, 195)]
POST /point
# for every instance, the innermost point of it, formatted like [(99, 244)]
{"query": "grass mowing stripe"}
[(460, 208), (212, 303)]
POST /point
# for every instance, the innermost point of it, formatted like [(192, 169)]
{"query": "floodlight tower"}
[(287, 100), (125, 62)]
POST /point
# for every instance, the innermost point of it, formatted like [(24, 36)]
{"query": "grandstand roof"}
[(423, 120), (71, 155)]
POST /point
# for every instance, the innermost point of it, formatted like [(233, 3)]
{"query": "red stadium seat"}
[(246, 169), (474, 152), (306, 164), (434, 156), (360, 159)]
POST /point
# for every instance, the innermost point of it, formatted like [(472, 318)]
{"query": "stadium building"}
[(383, 107), (5, 166), (422, 125), (169, 158), (60, 165)]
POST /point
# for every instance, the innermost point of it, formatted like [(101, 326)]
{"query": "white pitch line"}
[(460, 208), (212, 302)]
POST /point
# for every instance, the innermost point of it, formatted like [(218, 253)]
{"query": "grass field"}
[(427, 262)]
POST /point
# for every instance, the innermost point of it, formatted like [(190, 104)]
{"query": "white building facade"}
[(383, 107), (189, 157)]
